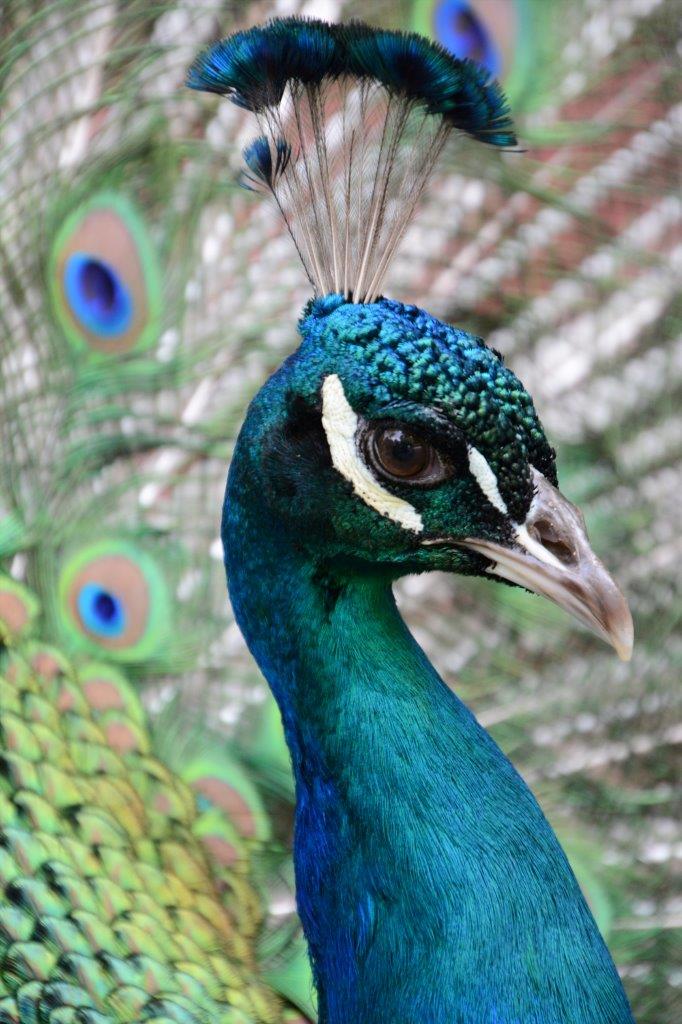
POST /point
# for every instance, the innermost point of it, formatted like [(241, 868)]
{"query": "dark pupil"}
[(105, 606), (401, 454), (98, 284)]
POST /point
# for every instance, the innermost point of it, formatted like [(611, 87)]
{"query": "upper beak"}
[(551, 555)]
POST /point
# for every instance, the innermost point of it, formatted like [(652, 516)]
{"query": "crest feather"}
[(352, 121)]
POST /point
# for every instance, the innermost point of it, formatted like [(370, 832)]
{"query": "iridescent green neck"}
[(430, 886)]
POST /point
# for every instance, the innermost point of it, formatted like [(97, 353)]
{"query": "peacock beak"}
[(552, 556)]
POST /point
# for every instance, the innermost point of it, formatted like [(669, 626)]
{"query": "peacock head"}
[(393, 443)]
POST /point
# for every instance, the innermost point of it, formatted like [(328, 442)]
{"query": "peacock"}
[(131, 289), (429, 884)]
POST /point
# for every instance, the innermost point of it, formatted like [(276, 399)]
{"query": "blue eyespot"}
[(97, 296), (101, 611), (460, 30)]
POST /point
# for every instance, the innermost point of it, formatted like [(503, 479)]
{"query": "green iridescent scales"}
[(110, 909)]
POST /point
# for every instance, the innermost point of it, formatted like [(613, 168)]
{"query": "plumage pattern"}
[(463, 31), (113, 598), (105, 278), (90, 88), (254, 68), (109, 904)]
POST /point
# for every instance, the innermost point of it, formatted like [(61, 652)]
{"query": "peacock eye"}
[(400, 454)]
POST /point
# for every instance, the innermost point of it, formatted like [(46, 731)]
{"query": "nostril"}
[(562, 551), (546, 534)]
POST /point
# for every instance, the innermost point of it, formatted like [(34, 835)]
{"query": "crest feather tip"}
[(352, 121)]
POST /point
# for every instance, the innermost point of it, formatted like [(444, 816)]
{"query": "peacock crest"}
[(353, 121)]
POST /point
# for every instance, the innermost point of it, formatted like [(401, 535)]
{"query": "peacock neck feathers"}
[(429, 883)]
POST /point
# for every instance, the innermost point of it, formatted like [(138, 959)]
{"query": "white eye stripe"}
[(486, 479), (340, 424)]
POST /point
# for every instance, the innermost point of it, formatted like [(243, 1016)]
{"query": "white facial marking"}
[(486, 479), (340, 424)]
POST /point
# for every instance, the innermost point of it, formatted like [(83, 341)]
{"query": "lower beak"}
[(551, 556)]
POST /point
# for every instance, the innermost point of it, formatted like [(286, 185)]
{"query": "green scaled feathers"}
[(18, 609), (113, 908)]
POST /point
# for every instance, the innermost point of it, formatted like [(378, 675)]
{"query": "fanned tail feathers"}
[(107, 852), (353, 120)]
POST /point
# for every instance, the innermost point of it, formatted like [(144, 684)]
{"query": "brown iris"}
[(400, 454)]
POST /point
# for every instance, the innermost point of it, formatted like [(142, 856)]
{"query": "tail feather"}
[(164, 868)]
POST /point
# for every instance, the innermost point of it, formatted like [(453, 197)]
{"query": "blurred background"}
[(121, 395)]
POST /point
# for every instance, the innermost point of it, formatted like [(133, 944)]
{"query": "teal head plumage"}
[(402, 368), (430, 886)]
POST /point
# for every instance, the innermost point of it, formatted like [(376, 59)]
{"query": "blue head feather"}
[(258, 159), (347, 246), (253, 68), (409, 65)]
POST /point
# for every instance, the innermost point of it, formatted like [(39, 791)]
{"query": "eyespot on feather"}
[(113, 597), (464, 30), (507, 39), (221, 784), (104, 278), (18, 608)]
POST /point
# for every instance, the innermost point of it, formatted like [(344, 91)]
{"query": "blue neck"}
[(430, 886)]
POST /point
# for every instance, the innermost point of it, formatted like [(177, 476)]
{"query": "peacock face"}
[(407, 446)]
